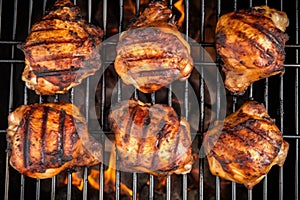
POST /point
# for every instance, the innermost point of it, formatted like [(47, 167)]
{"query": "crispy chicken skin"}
[(45, 139), (61, 50), (251, 45), (246, 146), (152, 53), (151, 138)]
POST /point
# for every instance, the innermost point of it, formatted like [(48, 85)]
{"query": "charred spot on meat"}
[(61, 50), (151, 138), (45, 139), (152, 53), (251, 46), (246, 146)]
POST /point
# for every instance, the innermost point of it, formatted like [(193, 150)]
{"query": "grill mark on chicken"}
[(147, 121), (250, 124), (45, 73), (26, 150), (267, 32), (176, 146), (275, 144), (160, 135), (43, 133), (62, 56), (266, 53), (60, 138), (243, 139), (37, 43), (131, 120)]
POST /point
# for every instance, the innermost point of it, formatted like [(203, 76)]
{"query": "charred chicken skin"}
[(246, 146), (151, 138), (251, 45), (45, 139), (152, 53), (61, 50)]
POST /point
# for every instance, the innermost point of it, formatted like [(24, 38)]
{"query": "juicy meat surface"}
[(45, 139), (61, 50), (251, 45), (246, 146), (151, 138), (152, 53)]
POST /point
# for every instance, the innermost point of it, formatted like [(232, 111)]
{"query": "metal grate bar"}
[(151, 187), (38, 189), (121, 15), (233, 184), (85, 183), (69, 186), (201, 130), (218, 195), (0, 17), (266, 99), (102, 106), (134, 185), (171, 4), (22, 188), (10, 94), (281, 93), (119, 91), (53, 186), (137, 7), (218, 188), (44, 6), (186, 99), (249, 194), (297, 104), (202, 108), (168, 186), (87, 105)]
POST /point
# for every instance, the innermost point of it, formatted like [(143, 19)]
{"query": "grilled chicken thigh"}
[(152, 53), (251, 45), (61, 50), (246, 146), (45, 139), (151, 138)]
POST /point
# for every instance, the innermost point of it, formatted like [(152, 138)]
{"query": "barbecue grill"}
[(280, 95)]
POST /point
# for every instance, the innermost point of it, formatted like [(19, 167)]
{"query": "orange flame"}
[(110, 176), (94, 175), (76, 181), (180, 7)]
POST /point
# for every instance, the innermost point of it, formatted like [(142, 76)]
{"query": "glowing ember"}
[(180, 7)]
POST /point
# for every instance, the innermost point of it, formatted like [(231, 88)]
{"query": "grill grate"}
[(280, 95)]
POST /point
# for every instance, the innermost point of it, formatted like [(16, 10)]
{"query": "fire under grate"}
[(280, 95)]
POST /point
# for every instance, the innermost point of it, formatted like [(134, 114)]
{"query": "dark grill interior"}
[(280, 94)]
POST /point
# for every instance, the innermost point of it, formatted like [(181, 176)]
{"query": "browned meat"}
[(151, 138), (45, 139), (61, 50), (152, 53), (246, 146), (251, 45)]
